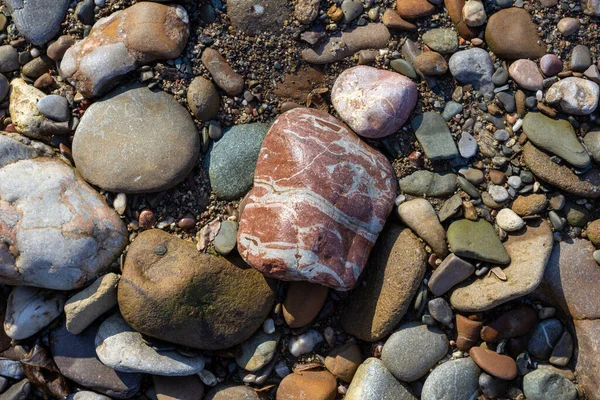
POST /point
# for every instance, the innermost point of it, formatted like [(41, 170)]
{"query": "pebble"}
[(225, 77), (305, 343), (529, 205), (177, 387), (258, 351), (563, 350), (57, 49), (430, 63), (581, 58), (543, 384), (497, 365), (226, 239), (54, 107), (467, 332), (498, 193), (420, 216), (403, 67), (544, 337), (509, 221), (478, 240), (430, 184), (38, 21), (306, 11), (473, 66), (392, 20), (303, 302), (203, 99), (412, 9), (500, 77), (29, 310), (441, 40), (551, 64), (9, 58), (295, 386), (449, 273), (351, 9), (451, 109), (344, 361), (455, 379), (511, 324), (468, 187), (252, 17), (574, 96), (526, 74), (467, 145), (450, 207), (434, 136), (231, 391), (85, 12), (568, 26), (491, 386), (440, 310), (373, 381)]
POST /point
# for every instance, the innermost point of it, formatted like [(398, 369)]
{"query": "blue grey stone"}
[(543, 384), (467, 145), (9, 58), (452, 108), (38, 20), (54, 107), (544, 337), (226, 239), (430, 184), (473, 66), (453, 380)]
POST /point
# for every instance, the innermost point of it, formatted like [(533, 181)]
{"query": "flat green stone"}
[(434, 136), (477, 240)]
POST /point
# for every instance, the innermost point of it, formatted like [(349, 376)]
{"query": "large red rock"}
[(320, 198)]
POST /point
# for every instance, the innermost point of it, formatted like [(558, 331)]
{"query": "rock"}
[(591, 7), (178, 387), (225, 77), (306, 11), (584, 185), (24, 112), (344, 361), (544, 337), (477, 240), (392, 20), (509, 221), (441, 40), (318, 162), (473, 13), (373, 381), (427, 183), (450, 207), (123, 349), (529, 252), (592, 142), (304, 343), (86, 306), (123, 41), (318, 385), (232, 159), (190, 298), (36, 67), (54, 107), (491, 386), (373, 102), (29, 310), (529, 205), (563, 350), (419, 215), (568, 26), (351, 10), (456, 379), (575, 96), (593, 232), (452, 109), (228, 391), (542, 384), (588, 363), (86, 395), (511, 34), (440, 310), (499, 78), (455, 8), (226, 239), (551, 64), (9, 58), (467, 332), (403, 67), (395, 271), (203, 99), (370, 36), (511, 324), (576, 215), (253, 17), (303, 302), (498, 193), (4, 87), (526, 74), (434, 136), (430, 63), (473, 67), (38, 20), (449, 273), (412, 9), (498, 365), (467, 145), (75, 357), (57, 49), (581, 58), (258, 351), (412, 350), (19, 391), (136, 141), (12, 369)]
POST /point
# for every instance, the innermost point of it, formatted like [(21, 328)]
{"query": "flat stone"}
[(230, 391), (403, 67), (542, 384), (433, 134), (449, 273), (38, 20), (440, 310), (442, 40), (395, 270), (427, 183), (373, 381), (581, 58), (451, 110), (136, 141), (529, 252), (575, 96), (455, 379), (225, 77), (419, 215), (450, 207), (498, 365), (467, 145), (473, 67), (253, 17), (511, 34), (526, 74), (258, 351), (467, 332), (178, 387), (477, 240), (226, 239), (315, 180), (302, 384)]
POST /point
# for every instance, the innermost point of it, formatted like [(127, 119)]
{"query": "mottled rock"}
[(373, 381), (473, 66), (477, 240), (529, 205), (473, 13), (306, 11), (258, 351), (203, 99), (227, 391), (442, 40), (575, 96), (419, 215), (542, 384), (526, 74), (511, 34), (253, 17), (456, 379), (551, 64), (24, 112), (430, 184), (38, 20)]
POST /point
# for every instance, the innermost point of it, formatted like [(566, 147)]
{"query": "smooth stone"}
[(473, 175), (568, 26), (85, 12), (318, 385), (419, 215), (24, 112), (473, 67), (477, 240), (467, 332), (498, 365), (54, 107), (509, 221), (412, 350), (392, 20), (178, 387), (38, 20), (147, 142), (450, 207), (526, 74), (455, 379), (258, 351), (224, 76), (449, 273), (412, 9), (226, 239), (451, 109), (574, 96), (29, 310), (511, 34), (440, 310), (373, 102), (231, 391), (4, 87), (303, 302), (36, 67), (529, 252), (455, 8), (592, 73), (203, 99), (587, 367), (473, 13), (499, 193), (395, 270), (551, 64), (467, 145), (593, 232), (56, 50), (19, 391), (11, 369), (511, 324), (344, 361), (592, 141), (253, 17), (544, 337), (591, 7), (430, 184), (87, 395), (306, 11), (403, 67), (123, 349), (500, 77), (351, 9), (435, 138), (441, 40), (491, 386), (581, 58), (563, 350), (430, 63), (507, 100), (9, 58), (373, 381), (542, 384), (304, 343), (576, 215)]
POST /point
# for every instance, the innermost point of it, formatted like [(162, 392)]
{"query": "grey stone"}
[(231, 160), (468, 187), (450, 207), (4, 87), (373, 381), (136, 141), (14, 147), (544, 337), (491, 386), (452, 271), (226, 239), (442, 40), (19, 391), (473, 66), (85, 12), (467, 145), (54, 107), (500, 77), (581, 58), (11, 369), (431, 184), (440, 310), (543, 384), (38, 20), (434, 136), (9, 58), (85, 395), (563, 350), (412, 350), (477, 240), (575, 96), (351, 9), (451, 109), (258, 351), (453, 380), (507, 100), (498, 193), (592, 141), (257, 16)]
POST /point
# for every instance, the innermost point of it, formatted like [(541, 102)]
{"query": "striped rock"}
[(320, 198)]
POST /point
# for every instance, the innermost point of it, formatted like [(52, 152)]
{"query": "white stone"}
[(305, 343), (473, 13), (120, 203), (575, 96), (498, 193), (508, 220), (24, 112), (85, 395)]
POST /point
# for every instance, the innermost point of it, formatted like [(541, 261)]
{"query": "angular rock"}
[(473, 66), (327, 196), (575, 96), (456, 379), (38, 20), (563, 350), (434, 136), (24, 112), (427, 183), (449, 273), (511, 34), (373, 381), (477, 240), (419, 215)]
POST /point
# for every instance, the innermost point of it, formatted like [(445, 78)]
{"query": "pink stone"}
[(373, 102), (320, 199), (526, 74), (551, 64)]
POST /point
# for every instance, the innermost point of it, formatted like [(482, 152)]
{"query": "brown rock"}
[(468, 332), (225, 77), (392, 20), (450, 272), (593, 232), (58, 48), (326, 195), (495, 364), (497, 177), (178, 387), (396, 268), (513, 323), (301, 385), (511, 34), (520, 98), (344, 361), (299, 85), (529, 205), (303, 302), (411, 9), (44, 81), (454, 8), (431, 63), (306, 11), (226, 391), (203, 99), (587, 363)]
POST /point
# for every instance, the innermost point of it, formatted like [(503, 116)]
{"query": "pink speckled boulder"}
[(373, 102), (320, 198)]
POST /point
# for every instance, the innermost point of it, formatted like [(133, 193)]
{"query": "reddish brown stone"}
[(298, 86), (392, 20), (303, 302), (495, 364), (320, 198), (225, 77), (513, 323), (454, 8), (411, 9), (431, 63), (468, 332), (314, 385), (516, 346), (344, 361)]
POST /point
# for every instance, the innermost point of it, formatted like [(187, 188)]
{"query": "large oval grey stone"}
[(38, 20), (453, 380), (373, 381), (543, 384)]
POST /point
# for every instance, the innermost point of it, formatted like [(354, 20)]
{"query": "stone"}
[(476, 240), (430, 63), (54, 107), (4, 87), (258, 351), (87, 395), (584, 185), (563, 350), (500, 77), (511, 34), (253, 17), (441, 40), (575, 96), (581, 58), (136, 141), (591, 7), (38, 20), (86, 306), (551, 64), (412, 9), (9, 58), (36, 67), (310, 161), (593, 232), (455, 379), (304, 343), (455, 8), (592, 73), (588, 364), (85, 12), (302, 303), (467, 145), (373, 381), (392, 20), (509, 221), (370, 36), (450, 208), (225, 77), (440, 310), (230, 391), (178, 387), (511, 324), (467, 332), (473, 67), (592, 142), (203, 99), (542, 384), (351, 10), (427, 183), (498, 365), (373, 102), (435, 138), (75, 357), (544, 337), (319, 385), (473, 13), (123, 41), (19, 391), (231, 160), (576, 214), (568, 26), (451, 110), (57, 49), (449, 273), (121, 348), (526, 74), (12, 369), (529, 205), (529, 252), (171, 292), (395, 271), (491, 386), (306, 11), (403, 67), (344, 361), (24, 111), (419, 215)]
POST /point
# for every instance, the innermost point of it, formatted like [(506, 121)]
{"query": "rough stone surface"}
[(373, 381), (575, 96), (543, 384), (477, 240), (24, 112), (314, 172), (442, 40), (344, 361), (435, 138), (258, 16), (38, 20), (419, 215), (456, 379), (587, 362), (511, 34)]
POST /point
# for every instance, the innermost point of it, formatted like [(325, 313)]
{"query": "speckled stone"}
[(373, 381), (454, 379)]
